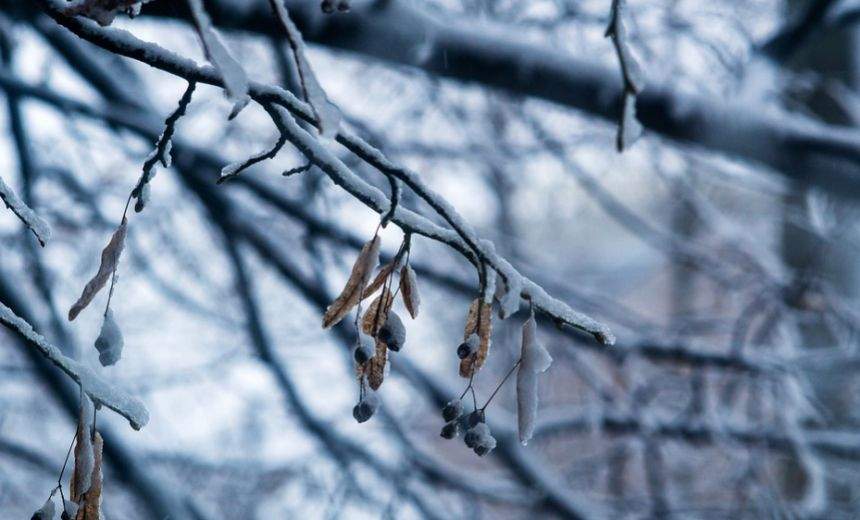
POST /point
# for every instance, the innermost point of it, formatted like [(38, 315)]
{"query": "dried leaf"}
[(375, 369), (377, 282), (110, 258), (47, 511), (84, 459), (91, 502), (533, 360), (351, 294), (374, 318), (110, 342), (473, 363), (409, 290)]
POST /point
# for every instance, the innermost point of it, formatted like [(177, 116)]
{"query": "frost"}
[(490, 289), (47, 511), (110, 342), (393, 333), (100, 391), (630, 129), (84, 458), (232, 73), (327, 114), (509, 303), (533, 360), (34, 222)]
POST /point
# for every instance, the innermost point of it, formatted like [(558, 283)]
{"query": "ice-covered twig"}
[(232, 74), (162, 150), (34, 222), (326, 114), (460, 236), (234, 169), (99, 390), (629, 128)]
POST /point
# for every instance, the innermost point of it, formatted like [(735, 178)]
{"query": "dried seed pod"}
[(480, 322), (450, 430), (452, 410), (327, 6), (358, 278), (376, 313), (109, 261), (534, 359), (375, 368), (379, 281), (409, 290), (393, 333)]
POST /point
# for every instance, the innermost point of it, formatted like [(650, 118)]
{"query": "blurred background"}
[(720, 248)]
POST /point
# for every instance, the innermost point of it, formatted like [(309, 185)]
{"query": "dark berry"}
[(327, 6), (449, 431), (361, 355), (362, 412), (471, 438), (463, 351), (475, 417), (481, 450), (343, 6), (452, 410)]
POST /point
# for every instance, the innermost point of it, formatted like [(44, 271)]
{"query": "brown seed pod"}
[(110, 258), (375, 368), (351, 294), (374, 317), (409, 290), (473, 362), (377, 282)]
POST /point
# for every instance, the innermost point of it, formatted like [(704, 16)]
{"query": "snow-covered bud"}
[(364, 348), (480, 439), (366, 407), (468, 347), (471, 438), (46, 512), (393, 333), (485, 445), (450, 430), (475, 418), (110, 342), (452, 410)]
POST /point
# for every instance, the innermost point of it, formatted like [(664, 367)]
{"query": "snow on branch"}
[(459, 235), (100, 391), (34, 222), (629, 128), (326, 114), (232, 74)]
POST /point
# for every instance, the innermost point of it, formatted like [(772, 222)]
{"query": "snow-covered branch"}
[(460, 236), (99, 390)]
